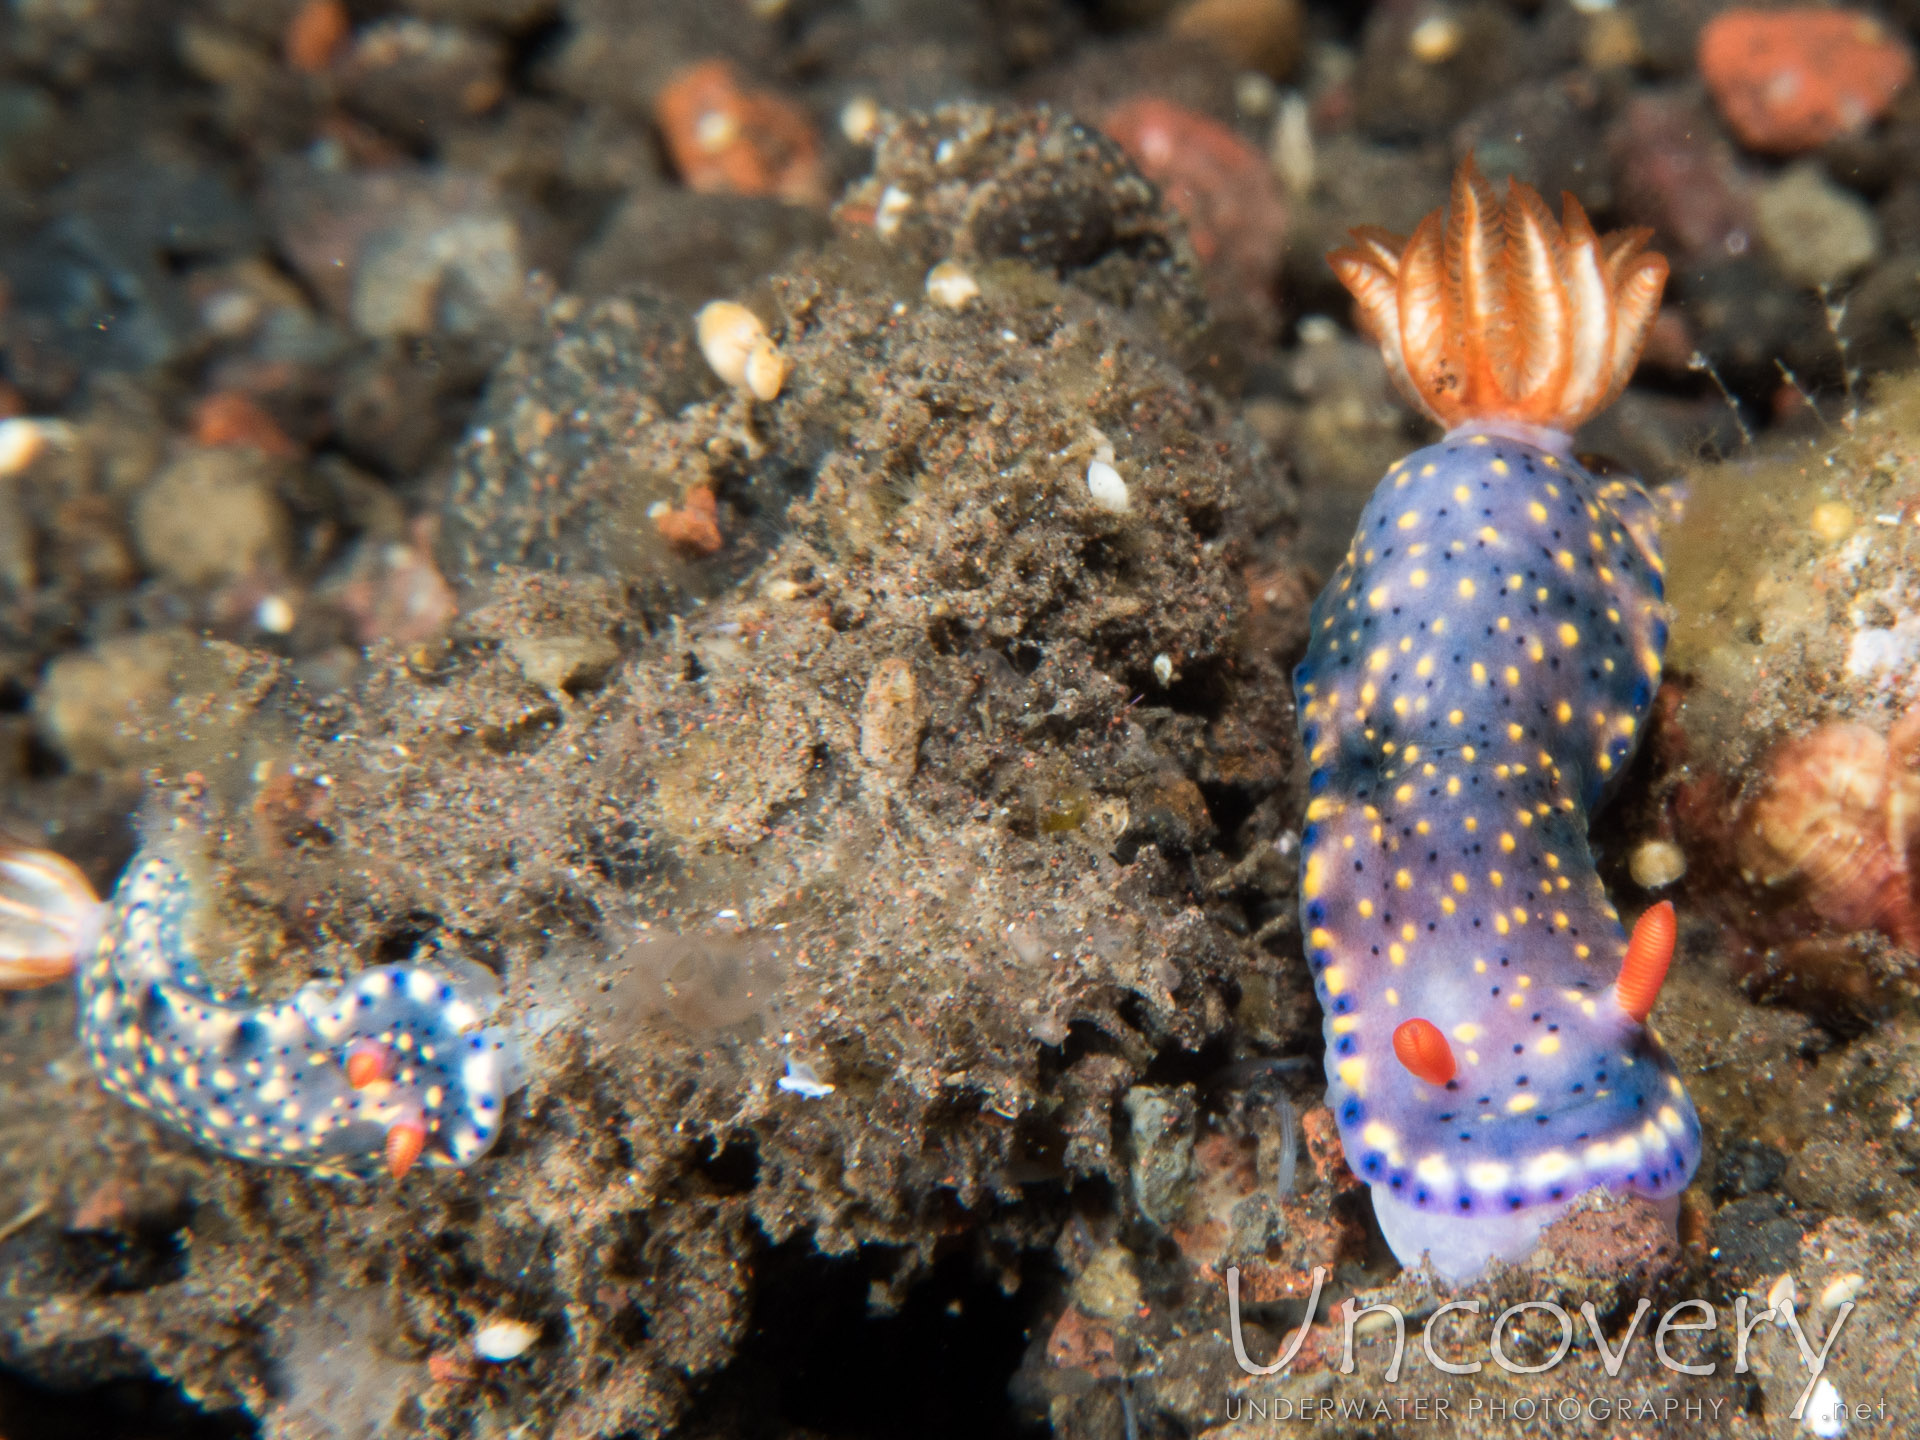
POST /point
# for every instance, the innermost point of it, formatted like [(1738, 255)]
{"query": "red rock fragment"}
[(1079, 1343), (726, 139), (1791, 80), (447, 1368), (1220, 185), (695, 526), (230, 418), (316, 35)]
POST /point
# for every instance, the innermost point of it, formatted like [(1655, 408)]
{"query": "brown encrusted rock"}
[(764, 998)]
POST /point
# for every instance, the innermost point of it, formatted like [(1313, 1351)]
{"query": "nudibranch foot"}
[(1460, 1251)]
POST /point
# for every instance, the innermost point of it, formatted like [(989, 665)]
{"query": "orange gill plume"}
[(1495, 311)]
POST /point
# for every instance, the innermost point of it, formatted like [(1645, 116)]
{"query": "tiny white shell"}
[(1841, 1289), (803, 1080), (1106, 487), (766, 369), (1163, 669), (728, 332), (951, 285), (736, 345), (504, 1339)]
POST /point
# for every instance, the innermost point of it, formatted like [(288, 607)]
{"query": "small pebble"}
[(1163, 669), (21, 441), (1109, 491), (1655, 864), (1790, 80), (504, 1339), (1817, 232), (892, 209), (891, 720), (212, 516), (859, 118), (275, 615), (951, 285), (1833, 520), (1435, 39)]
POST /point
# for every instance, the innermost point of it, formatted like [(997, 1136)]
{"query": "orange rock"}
[(1080, 1343), (727, 139), (1791, 80), (695, 526), (230, 418), (1222, 188), (316, 35)]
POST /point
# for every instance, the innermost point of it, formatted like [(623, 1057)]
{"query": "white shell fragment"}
[(1825, 1416), (892, 209), (766, 370), (1106, 487), (803, 1080), (1839, 1290), (739, 349), (1783, 1293), (951, 285), (504, 1339), (1163, 669)]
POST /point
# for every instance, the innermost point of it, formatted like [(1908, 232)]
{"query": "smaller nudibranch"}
[(1480, 669), (395, 1069)]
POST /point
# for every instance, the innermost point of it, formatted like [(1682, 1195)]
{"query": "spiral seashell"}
[(1836, 819)]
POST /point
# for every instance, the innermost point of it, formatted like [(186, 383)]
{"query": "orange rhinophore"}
[(405, 1141), (1649, 953), (367, 1062), (1495, 311), (1424, 1051)]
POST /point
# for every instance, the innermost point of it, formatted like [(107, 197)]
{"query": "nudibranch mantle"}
[(1480, 669), (396, 1067)]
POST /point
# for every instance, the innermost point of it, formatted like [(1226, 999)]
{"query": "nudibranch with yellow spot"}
[(1481, 666), (396, 1068)]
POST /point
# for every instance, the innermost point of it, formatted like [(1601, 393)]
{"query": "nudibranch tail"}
[(1494, 311), (1649, 953), (49, 917)]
